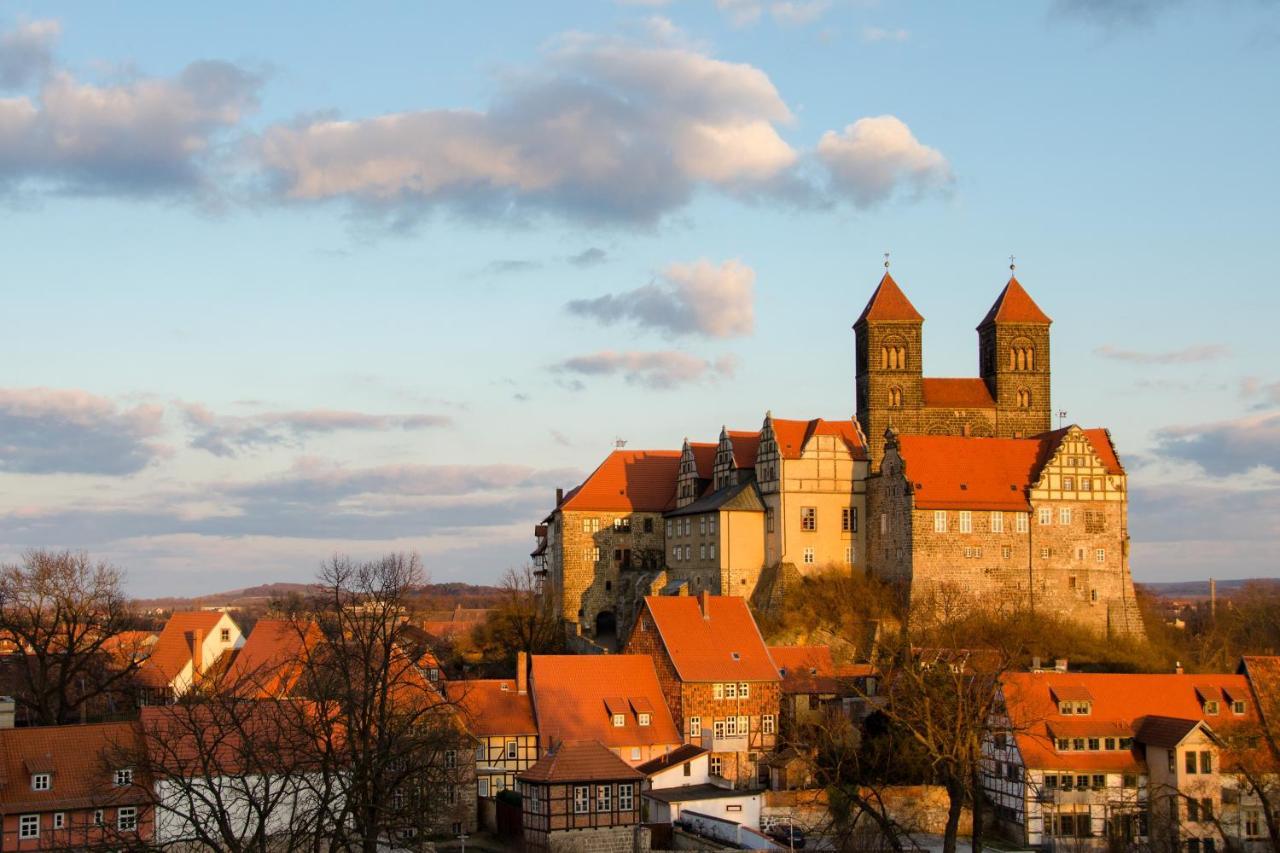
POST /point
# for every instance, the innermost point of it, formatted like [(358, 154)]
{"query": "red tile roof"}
[(675, 758), (569, 694), (588, 761), (197, 739), (727, 646), (492, 707), (1118, 701), (957, 394), (889, 303), (1015, 305), (704, 458), (269, 662), (172, 652), (80, 759), (954, 472), (745, 445), (629, 480), (792, 436), (805, 669), (1263, 673)]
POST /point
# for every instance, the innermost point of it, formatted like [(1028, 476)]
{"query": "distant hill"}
[(1200, 589), (438, 595)]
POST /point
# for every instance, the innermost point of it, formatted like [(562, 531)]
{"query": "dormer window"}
[(124, 777), (41, 781), (226, 635), (643, 719), (1211, 707), (619, 720), (1237, 707)]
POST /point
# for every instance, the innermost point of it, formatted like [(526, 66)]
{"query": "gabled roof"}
[(1015, 305), (635, 480), (704, 458), (1099, 439), (569, 694), (492, 707), (739, 497), (722, 645), (889, 304), (957, 472), (1263, 672), (957, 394), (678, 756), (1166, 732), (805, 669), (172, 652), (269, 662), (745, 445), (587, 761), (792, 436), (79, 759)]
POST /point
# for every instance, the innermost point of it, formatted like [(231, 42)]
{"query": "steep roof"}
[(889, 304), (704, 458), (805, 669), (956, 472), (1263, 672), (588, 761), (1099, 438), (740, 497), (572, 694), (957, 394), (1118, 702), (723, 644), (674, 758), (1015, 305), (629, 480), (492, 707), (172, 652), (269, 662), (1167, 732), (745, 445), (79, 759), (792, 436)]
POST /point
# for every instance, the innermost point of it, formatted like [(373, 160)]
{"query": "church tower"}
[(1013, 360), (888, 353)]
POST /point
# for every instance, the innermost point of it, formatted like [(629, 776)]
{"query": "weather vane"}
[(886, 260), (1062, 416), (619, 443), (1011, 263)]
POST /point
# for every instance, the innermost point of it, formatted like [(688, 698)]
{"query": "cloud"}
[(26, 52), (661, 370), (696, 298), (1179, 531), (53, 431), (879, 34), (511, 265), (741, 13), (604, 130), (591, 257), (1186, 355), (873, 158), (798, 12), (142, 136), (231, 435), (1225, 447), (1264, 394), (1113, 13)]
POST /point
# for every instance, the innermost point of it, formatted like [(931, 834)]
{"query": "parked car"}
[(788, 835)]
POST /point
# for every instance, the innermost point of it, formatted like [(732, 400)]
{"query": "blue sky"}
[(289, 281)]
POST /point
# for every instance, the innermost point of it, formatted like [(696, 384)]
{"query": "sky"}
[(288, 280)]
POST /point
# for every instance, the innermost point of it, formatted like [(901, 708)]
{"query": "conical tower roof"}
[(1015, 305), (889, 304)]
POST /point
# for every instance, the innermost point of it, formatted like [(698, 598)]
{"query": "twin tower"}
[(1009, 399)]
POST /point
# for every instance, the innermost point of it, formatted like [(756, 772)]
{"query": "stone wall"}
[(614, 839), (589, 587)]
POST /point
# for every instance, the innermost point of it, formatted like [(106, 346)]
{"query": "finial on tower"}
[(886, 261), (1012, 265)]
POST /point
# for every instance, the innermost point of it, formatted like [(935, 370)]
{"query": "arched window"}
[(1024, 398), (893, 355), (895, 397), (1022, 356)]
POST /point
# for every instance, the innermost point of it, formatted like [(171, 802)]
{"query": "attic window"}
[(619, 720), (41, 781), (964, 487), (643, 719), (505, 687)]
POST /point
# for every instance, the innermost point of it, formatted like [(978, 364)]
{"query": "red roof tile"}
[(588, 761), (704, 458), (1099, 438), (269, 662), (889, 303), (1118, 701), (792, 436), (569, 693), (745, 445), (1014, 305), (954, 472), (78, 757), (629, 480), (172, 652), (957, 394), (493, 707), (805, 669), (727, 646)]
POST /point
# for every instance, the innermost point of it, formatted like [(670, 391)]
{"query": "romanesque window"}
[(1024, 398), (1022, 356), (893, 355), (895, 397)]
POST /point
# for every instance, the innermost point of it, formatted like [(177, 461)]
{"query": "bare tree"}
[(522, 620), (66, 614)]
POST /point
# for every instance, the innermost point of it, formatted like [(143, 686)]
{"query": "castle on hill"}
[(955, 486)]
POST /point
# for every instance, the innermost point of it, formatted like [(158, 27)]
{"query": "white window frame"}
[(688, 552), (482, 787), (884, 524), (997, 522), (695, 727), (1100, 555), (29, 826), (766, 724), (939, 521), (717, 729), (643, 719), (604, 798), (711, 550), (808, 556), (626, 797), (744, 689), (1046, 515), (512, 749), (59, 820), (619, 720), (675, 553), (716, 766), (731, 690), (966, 521), (809, 519), (668, 527), (702, 552), (848, 555), (127, 819), (711, 525), (1020, 525), (731, 726), (744, 724), (717, 691), (41, 781), (97, 817), (581, 799), (1064, 515)]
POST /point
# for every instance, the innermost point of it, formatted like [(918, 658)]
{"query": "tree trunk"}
[(976, 783), (955, 805)]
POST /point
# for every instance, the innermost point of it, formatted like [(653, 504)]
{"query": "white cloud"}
[(1225, 447), (1186, 355), (661, 370), (799, 12), (51, 431), (26, 52), (878, 34), (873, 158), (230, 435), (741, 13), (697, 298)]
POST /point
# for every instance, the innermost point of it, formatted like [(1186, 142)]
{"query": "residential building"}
[(190, 645), (580, 796), (498, 713), (1088, 761), (614, 700), (717, 678), (71, 787), (813, 685), (1037, 523), (271, 661)]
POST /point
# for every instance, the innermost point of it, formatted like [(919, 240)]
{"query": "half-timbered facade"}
[(580, 796)]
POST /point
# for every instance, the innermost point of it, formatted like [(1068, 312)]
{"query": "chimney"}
[(522, 673), (1060, 665), (1035, 663), (197, 652), (1213, 598), (559, 496), (8, 712), (704, 603), (1177, 667)]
